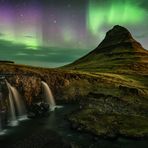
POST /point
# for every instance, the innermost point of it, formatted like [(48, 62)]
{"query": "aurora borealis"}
[(117, 12), (55, 32)]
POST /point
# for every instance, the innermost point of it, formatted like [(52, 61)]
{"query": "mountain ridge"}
[(118, 50)]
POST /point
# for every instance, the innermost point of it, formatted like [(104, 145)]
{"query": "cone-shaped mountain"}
[(118, 51)]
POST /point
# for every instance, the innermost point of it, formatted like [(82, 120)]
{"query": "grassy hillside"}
[(118, 104), (107, 101)]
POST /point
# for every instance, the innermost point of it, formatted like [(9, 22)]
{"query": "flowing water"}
[(19, 102), (18, 112), (48, 95), (0, 124), (57, 122), (20, 106), (17, 108), (13, 120)]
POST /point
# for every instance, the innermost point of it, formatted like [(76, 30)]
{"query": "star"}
[(55, 21), (21, 15)]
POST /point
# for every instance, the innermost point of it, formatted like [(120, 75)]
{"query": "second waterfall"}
[(17, 106), (48, 95)]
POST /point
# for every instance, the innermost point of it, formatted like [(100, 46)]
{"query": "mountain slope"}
[(118, 52), (108, 112)]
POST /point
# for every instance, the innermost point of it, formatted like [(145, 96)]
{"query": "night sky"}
[(52, 33)]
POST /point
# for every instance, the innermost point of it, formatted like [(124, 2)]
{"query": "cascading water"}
[(0, 124), (48, 95), (19, 102), (12, 107), (15, 96)]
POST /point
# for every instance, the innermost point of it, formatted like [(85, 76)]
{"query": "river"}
[(58, 123)]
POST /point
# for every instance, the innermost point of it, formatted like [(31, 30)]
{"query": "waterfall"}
[(12, 107), (19, 102), (2, 131), (0, 124), (48, 95), (14, 97)]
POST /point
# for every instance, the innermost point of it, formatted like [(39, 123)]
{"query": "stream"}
[(57, 122)]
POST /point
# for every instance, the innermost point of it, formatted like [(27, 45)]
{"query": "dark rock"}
[(38, 110), (96, 95), (126, 90)]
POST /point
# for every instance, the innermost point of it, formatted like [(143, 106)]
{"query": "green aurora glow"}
[(118, 12), (30, 42)]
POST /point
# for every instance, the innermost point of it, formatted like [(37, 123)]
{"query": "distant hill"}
[(3, 61), (117, 53)]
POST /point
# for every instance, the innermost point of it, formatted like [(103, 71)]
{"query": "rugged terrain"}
[(110, 84), (120, 109)]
